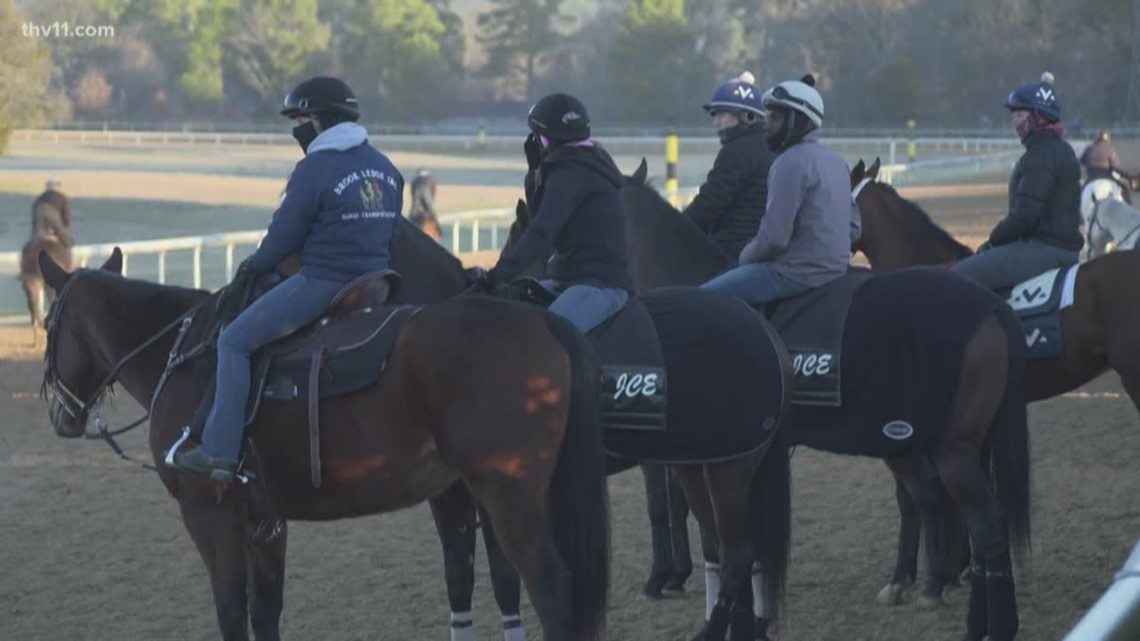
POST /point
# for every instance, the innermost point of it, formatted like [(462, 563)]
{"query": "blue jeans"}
[(755, 284), (1007, 265), (586, 306), (279, 312)]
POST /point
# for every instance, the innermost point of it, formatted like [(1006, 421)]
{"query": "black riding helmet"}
[(330, 99), (560, 117)]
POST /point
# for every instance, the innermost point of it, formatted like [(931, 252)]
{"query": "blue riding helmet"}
[(736, 95), (1040, 97)]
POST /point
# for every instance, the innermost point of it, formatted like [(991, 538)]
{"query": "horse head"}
[(72, 369)]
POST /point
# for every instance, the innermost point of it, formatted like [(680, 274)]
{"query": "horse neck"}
[(123, 315), (894, 237), (429, 273), (664, 248)]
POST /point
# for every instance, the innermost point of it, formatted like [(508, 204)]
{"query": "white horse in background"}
[(1110, 223)]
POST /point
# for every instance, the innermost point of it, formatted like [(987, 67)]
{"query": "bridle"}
[(1094, 221), (79, 408), (857, 246)]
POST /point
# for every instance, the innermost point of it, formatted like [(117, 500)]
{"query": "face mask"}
[(305, 134)]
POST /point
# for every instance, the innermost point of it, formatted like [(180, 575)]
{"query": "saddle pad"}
[(726, 380), (902, 352), (1038, 303), (811, 326), (634, 382)]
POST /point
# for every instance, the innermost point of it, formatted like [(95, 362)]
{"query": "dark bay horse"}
[(749, 494), (38, 296), (1101, 329), (499, 395), (977, 442)]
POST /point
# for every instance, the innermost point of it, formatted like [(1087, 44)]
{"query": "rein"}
[(78, 408)]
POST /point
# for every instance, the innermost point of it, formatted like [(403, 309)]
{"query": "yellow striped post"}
[(671, 153), (911, 146)]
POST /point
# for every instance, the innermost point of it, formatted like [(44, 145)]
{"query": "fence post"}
[(894, 145), (229, 262), (671, 153), (198, 267), (124, 269), (161, 268), (475, 235)]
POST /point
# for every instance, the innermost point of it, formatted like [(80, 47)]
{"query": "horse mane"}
[(925, 224)]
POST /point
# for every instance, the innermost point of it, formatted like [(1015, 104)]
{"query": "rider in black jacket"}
[(734, 196), (1042, 230), (573, 194)]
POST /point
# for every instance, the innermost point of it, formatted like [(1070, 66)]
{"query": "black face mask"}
[(305, 134)]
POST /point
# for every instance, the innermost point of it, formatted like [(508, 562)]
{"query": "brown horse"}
[(500, 395), (1101, 329), (40, 298)]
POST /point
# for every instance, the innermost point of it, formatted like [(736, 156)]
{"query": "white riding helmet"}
[(800, 95)]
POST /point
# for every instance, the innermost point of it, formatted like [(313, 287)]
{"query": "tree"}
[(93, 92), (653, 65), (397, 58), (25, 74), (517, 33), (273, 44)]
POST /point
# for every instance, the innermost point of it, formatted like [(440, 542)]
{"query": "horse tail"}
[(579, 500), (1010, 452), (770, 519)]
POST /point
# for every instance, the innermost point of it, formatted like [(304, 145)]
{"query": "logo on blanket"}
[(1038, 303), (812, 363), (631, 385), (898, 430)]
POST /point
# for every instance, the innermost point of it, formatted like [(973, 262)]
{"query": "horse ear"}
[(115, 262), (857, 172), (54, 275), (873, 171), (641, 172), (522, 214)]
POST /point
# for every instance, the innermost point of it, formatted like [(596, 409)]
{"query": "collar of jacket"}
[(340, 137), (736, 132), (1043, 133)]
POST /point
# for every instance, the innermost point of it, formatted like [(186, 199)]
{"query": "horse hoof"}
[(890, 595), (927, 602)]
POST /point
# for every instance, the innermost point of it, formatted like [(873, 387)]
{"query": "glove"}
[(986, 246), (234, 295), (533, 151), (477, 277)]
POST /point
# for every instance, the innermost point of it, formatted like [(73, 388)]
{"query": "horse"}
[(32, 281), (1110, 221), (986, 425), (1100, 327), (499, 395), (749, 492)]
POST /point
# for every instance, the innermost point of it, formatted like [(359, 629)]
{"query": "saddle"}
[(341, 352), (634, 385), (811, 325), (1038, 302)]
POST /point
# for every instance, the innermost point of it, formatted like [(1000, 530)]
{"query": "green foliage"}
[(25, 70), (273, 43), (652, 65)]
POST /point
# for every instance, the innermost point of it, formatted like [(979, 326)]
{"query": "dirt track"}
[(92, 548)]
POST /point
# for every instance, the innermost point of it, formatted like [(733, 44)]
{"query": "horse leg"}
[(265, 563), (504, 582), (919, 483), (678, 536), (990, 404), (906, 562), (219, 532), (454, 513), (657, 499), (519, 523), (691, 479)]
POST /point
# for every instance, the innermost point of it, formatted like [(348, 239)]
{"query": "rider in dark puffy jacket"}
[(732, 200), (573, 193), (1042, 229)]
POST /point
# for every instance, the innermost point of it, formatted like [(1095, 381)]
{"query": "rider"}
[(423, 203), (732, 201), (51, 213), (340, 211), (1100, 160), (573, 190), (1042, 229), (805, 238)]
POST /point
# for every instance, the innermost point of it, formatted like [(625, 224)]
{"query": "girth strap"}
[(314, 414)]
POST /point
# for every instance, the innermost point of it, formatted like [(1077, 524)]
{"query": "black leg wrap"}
[(717, 627), (1001, 599), (977, 620), (741, 629), (761, 627)]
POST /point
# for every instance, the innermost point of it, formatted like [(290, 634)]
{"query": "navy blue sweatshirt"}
[(340, 210)]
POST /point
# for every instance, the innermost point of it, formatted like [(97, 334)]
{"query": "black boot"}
[(198, 462)]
